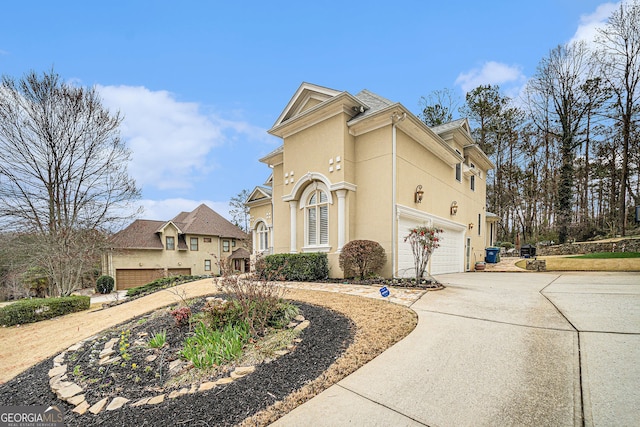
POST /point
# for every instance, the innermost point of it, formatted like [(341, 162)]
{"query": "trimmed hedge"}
[(162, 283), (37, 309), (297, 267)]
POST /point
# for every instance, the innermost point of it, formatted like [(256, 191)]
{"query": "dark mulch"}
[(327, 337)]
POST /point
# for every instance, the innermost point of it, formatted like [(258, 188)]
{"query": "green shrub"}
[(219, 313), (362, 258), (209, 347), (283, 314), (104, 284), (296, 267), (37, 309), (162, 283)]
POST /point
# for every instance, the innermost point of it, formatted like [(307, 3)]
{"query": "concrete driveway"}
[(500, 349)]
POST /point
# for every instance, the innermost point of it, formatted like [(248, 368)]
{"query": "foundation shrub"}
[(362, 258), (306, 267), (37, 309)]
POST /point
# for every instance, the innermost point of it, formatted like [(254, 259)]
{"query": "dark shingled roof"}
[(240, 253), (143, 233)]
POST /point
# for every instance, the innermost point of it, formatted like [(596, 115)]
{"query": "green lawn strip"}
[(607, 255)]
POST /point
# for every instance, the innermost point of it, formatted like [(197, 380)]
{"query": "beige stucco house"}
[(192, 243), (363, 167)]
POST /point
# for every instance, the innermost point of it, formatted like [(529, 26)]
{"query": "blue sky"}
[(201, 82)]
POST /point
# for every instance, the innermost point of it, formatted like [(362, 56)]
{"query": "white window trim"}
[(321, 247)]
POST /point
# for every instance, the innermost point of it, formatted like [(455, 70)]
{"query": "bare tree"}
[(438, 107), (239, 211), (556, 90), (618, 56), (63, 173)]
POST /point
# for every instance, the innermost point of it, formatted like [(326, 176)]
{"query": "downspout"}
[(395, 118)]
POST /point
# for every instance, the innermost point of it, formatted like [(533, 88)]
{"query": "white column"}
[(293, 206), (342, 226)]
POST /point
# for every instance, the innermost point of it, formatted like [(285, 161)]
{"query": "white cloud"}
[(589, 24), (169, 139), (166, 209), (493, 73), (172, 142)]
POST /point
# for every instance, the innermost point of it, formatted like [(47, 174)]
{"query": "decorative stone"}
[(242, 371), (76, 400), (207, 386), (141, 402), (176, 393), (117, 403), (297, 340), (292, 325), (59, 359), (111, 343), (107, 360), (176, 366), (106, 353), (299, 318), (143, 334), (223, 381), (54, 382), (281, 352), (58, 370), (193, 389), (151, 358), (76, 347), (95, 409), (68, 391), (155, 400), (81, 408), (302, 326)]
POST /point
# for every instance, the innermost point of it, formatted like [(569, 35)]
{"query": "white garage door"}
[(448, 258)]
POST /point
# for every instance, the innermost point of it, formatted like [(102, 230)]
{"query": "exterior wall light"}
[(454, 207), (419, 194)]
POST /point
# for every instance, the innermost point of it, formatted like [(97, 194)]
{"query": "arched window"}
[(317, 224), (263, 237)]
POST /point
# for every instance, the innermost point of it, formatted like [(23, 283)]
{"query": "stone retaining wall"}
[(620, 245)]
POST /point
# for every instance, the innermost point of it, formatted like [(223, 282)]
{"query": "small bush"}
[(254, 300), (209, 347), (296, 267), (181, 315), (362, 258), (104, 284), (219, 312), (37, 309)]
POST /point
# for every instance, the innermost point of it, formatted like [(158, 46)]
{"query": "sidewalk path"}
[(502, 349)]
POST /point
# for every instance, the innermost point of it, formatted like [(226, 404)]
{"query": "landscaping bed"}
[(322, 358)]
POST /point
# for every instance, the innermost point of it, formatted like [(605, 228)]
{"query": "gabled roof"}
[(141, 234), (462, 124), (146, 234), (259, 195), (205, 221), (305, 93)]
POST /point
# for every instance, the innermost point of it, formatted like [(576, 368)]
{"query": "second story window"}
[(225, 246), (459, 169), (193, 243), (473, 182), (170, 243)]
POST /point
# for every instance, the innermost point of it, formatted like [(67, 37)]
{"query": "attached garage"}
[(131, 278), (179, 272), (447, 258)]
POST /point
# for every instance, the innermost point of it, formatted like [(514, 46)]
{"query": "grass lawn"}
[(606, 261), (608, 255)]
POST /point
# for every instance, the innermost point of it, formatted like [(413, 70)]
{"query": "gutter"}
[(395, 118)]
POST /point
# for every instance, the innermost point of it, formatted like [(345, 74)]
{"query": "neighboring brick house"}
[(363, 167), (191, 243)]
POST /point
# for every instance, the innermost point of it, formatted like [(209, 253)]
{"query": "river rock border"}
[(73, 393)]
